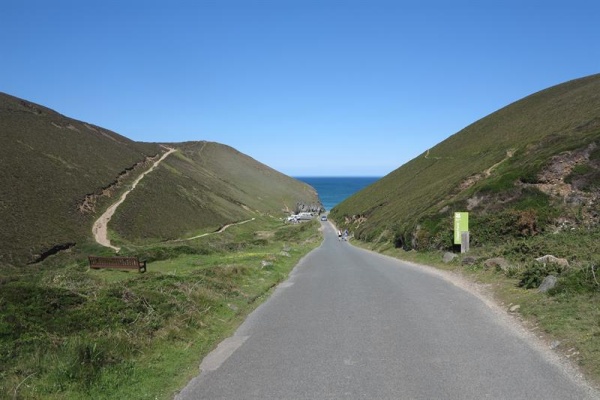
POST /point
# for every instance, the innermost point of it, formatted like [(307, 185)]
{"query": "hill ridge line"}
[(100, 227)]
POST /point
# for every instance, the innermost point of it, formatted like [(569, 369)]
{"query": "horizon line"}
[(337, 176)]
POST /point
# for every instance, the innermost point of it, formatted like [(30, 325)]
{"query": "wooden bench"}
[(117, 262)]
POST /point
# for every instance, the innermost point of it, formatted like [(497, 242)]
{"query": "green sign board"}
[(461, 224)]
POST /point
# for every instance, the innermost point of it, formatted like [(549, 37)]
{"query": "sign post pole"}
[(464, 242)]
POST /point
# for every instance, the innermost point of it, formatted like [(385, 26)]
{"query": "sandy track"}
[(212, 233), (100, 228)]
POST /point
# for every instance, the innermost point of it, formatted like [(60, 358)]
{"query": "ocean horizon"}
[(332, 190)]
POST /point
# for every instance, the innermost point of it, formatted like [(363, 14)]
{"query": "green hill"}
[(57, 175), (528, 169), (202, 187)]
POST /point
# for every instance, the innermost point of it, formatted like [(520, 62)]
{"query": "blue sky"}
[(310, 88)]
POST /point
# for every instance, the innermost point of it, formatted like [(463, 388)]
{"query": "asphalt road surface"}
[(351, 324)]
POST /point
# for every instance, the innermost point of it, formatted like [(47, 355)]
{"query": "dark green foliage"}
[(527, 216), (533, 199), (581, 245), (85, 358), (503, 183), (579, 170), (578, 281), (585, 177), (535, 272), (31, 309)]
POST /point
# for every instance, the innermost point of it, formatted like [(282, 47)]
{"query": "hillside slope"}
[(49, 165), (203, 186), (529, 168), (57, 175)]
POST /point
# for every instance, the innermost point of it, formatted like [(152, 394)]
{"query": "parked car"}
[(305, 215)]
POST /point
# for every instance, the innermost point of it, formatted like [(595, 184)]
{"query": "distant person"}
[(346, 234), (339, 235)]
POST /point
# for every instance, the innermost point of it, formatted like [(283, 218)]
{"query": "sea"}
[(333, 190)]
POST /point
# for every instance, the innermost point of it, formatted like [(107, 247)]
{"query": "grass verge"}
[(70, 332)]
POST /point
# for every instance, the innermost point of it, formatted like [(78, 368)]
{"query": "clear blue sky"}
[(329, 87)]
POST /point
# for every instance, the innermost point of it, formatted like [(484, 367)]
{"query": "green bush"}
[(578, 281), (534, 274)]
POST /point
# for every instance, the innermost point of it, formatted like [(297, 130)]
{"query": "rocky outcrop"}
[(548, 283), (470, 260), (448, 257), (550, 259), (88, 204), (311, 207), (557, 180), (497, 263)]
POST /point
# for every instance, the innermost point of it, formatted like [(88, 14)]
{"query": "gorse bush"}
[(503, 225), (578, 281), (534, 273)]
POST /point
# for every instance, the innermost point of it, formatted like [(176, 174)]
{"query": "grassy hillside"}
[(58, 175), (202, 187), (529, 168), (48, 165)]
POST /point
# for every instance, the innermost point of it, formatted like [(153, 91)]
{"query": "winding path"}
[(212, 233), (100, 228)]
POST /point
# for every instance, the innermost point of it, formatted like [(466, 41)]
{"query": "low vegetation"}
[(70, 332)]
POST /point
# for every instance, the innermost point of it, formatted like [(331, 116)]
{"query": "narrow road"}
[(100, 228), (351, 324)]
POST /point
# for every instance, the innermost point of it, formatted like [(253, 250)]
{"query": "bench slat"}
[(117, 262)]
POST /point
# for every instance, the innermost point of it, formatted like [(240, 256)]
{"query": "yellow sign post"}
[(461, 225)]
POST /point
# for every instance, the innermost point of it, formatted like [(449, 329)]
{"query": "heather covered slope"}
[(202, 187), (48, 165), (57, 175), (529, 168)]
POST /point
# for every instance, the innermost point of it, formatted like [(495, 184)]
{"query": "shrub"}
[(534, 274), (578, 281)]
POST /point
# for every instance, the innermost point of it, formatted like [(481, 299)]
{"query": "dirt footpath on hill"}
[(100, 228)]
